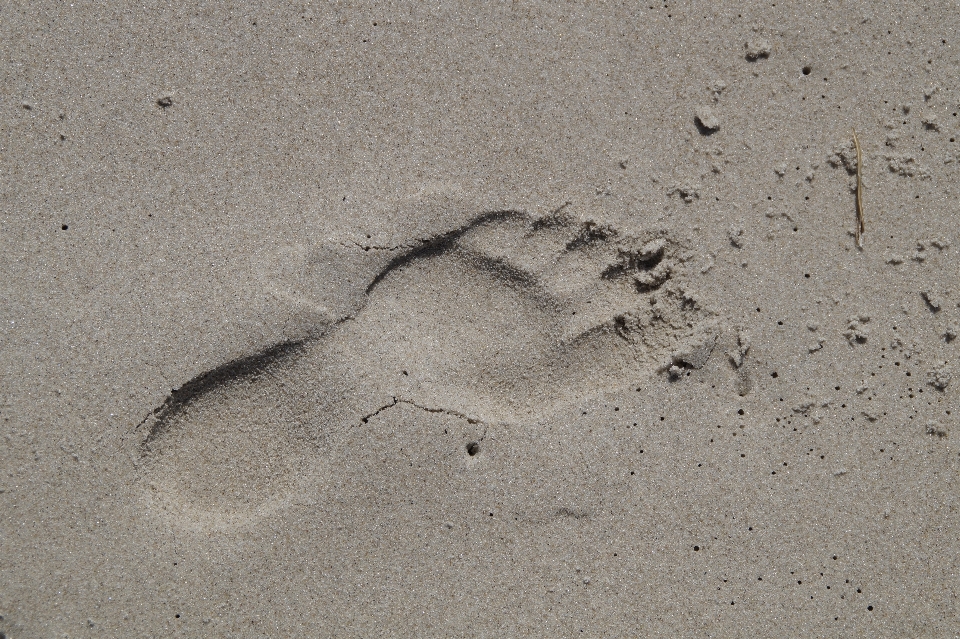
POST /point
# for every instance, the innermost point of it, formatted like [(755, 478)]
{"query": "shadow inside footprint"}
[(501, 320)]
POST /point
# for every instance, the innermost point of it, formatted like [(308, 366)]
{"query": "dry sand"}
[(479, 320)]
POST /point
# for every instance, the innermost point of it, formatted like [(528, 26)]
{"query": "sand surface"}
[(489, 319)]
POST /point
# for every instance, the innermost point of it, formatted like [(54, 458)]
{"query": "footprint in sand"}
[(502, 320)]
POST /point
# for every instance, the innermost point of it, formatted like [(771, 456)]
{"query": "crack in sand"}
[(445, 411), (374, 247)]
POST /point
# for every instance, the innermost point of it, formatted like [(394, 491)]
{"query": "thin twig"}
[(860, 225)]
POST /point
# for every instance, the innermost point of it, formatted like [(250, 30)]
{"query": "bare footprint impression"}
[(502, 320)]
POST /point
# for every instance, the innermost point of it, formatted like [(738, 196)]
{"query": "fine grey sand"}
[(521, 319)]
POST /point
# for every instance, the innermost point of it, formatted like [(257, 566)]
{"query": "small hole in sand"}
[(806, 70), (473, 448)]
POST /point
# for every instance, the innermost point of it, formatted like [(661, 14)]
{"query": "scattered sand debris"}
[(758, 48), (717, 88), (856, 332), (936, 429), (906, 166), (688, 192), (707, 119), (940, 377), (735, 233), (932, 299), (845, 155)]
